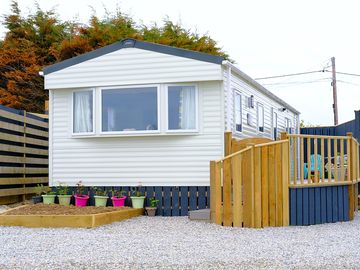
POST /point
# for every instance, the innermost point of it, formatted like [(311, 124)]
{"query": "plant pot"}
[(81, 200), (64, 199), (37, 199), (101, 200), (118, 202), (138, 202), (48, 199), (151, 211)]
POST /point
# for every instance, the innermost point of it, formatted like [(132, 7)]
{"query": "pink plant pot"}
[(81, 200), (118, 202)]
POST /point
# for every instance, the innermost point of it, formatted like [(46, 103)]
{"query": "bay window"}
[(83, 112), (129, 109), (182, 108)]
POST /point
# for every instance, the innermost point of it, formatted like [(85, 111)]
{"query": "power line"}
[(345, 73), (288, 75), (297, 82)]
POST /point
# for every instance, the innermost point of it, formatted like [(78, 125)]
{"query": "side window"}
[(274, 124), (260, 117), (288, 125), (83, 112), (238, 112)]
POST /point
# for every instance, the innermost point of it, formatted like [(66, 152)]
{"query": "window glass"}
[(181, 108), (274, 125), (238, 113), (288, 125), (130, 109), (83, 112), (261, 117)]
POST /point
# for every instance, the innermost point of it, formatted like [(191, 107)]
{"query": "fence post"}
[(248, 183), (227, 143), (283, 136), (24, 155), (351, 172)]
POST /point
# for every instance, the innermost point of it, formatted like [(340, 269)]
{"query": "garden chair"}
[(312, 166)]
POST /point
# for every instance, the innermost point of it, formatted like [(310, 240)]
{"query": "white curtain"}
[(83, 112), (187, 108), (111, 119)]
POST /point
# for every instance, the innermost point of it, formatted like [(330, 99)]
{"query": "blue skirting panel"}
[(317, 205)]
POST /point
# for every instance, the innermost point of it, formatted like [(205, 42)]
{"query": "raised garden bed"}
[(39, 215)]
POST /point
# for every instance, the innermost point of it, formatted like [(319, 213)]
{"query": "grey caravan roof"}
[(132, 43)]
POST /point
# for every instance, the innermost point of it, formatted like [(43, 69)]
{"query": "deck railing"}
[(249, 188)]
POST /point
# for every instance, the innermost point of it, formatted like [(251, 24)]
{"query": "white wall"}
[(132, 66), (247, 90), (164, 160)]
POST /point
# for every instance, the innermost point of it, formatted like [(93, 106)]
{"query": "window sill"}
[(137, 134)]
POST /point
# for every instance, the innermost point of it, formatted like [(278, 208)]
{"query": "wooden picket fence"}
[(249, 188), (23, 153)]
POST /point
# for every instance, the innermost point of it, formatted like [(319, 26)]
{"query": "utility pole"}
[(333, 83)]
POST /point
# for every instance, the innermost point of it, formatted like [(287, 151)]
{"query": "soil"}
[(55, 209)]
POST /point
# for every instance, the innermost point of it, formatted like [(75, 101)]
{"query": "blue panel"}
[(149, 195), (201, 198), (305, 206), (299, 208), (193, 198), (127, 194), (346, 203), (340, 197), (335, 211), (167, 201), (159, 196), (207, 197), (328, 204), (323, 205), (311, 206), (317, 192), (292, 206), (184, 201), (175, 201)]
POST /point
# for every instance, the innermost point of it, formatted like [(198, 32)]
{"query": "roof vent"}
[(128, 43)]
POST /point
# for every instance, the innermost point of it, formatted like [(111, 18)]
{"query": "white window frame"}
[(258, 119), (129, 132), (181, 131), (288, 127), (274, 116), (83, 134), (237, 92)]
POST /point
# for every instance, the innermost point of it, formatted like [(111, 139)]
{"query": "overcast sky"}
[(265, 38)]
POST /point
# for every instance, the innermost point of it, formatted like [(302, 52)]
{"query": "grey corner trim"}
[(251, 81), (133, 43)]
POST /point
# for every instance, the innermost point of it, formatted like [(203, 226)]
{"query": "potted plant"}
[(118, 198), (81, 199), (151, 210), (49, 197), (63, 195), (138, 198), (40, 189), (101, 196)]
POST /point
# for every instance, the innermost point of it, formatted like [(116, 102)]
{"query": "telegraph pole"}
[(333, 83)]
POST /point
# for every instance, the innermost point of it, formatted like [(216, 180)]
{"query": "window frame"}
[(83, 134), (275, 117), (258, 119), (129, 132), (237, 92), (166, 97), (288, 127)]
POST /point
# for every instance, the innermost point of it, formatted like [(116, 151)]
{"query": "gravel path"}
[(178, 243)]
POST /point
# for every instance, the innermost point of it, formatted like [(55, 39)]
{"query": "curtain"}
[(187, 108), (83, 112), (110, 119)]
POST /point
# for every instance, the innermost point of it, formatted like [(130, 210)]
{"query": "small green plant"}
[(118, 193), (80, 189), (63, 189), (100, 191), (153, 202), (40, 189)]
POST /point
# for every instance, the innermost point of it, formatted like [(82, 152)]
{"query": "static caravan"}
[(141, 113)]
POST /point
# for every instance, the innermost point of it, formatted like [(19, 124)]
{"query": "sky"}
[(265, 38)]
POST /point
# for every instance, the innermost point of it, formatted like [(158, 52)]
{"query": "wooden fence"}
[(249, 188), (23, 153)]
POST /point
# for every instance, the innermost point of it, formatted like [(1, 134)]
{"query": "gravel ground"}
[(178, 243)]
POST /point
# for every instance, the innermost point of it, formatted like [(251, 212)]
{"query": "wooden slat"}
[(20, 149), (301, 160), (308, 140), (285, 186), (342, 168), (264, 186), (12, 159), (295, 159), (329, 159), (279, 181), (212, 191), (218, 195), (27, 180), (22, 139), (335, 160), (325, 184), (22, 170), (316, 136), (316, 165), (237, 191), (227, 193), (16, 191), (272, 187), (14, 127), (322, 159), (257, 187), (227, 143), (248, 188), (20, 118)]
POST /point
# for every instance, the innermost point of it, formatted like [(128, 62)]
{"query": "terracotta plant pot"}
[(138, 202), (48, 199), (151, 211), (64, 199), (37, 199), (81, 200), (101, 200), (118, 202)]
